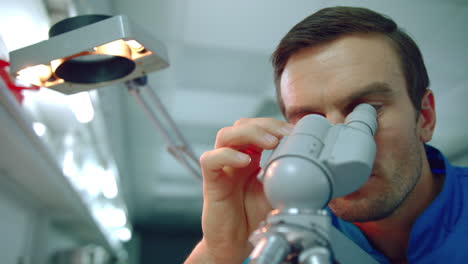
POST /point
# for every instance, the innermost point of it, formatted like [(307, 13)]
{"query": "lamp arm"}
[(160, 107), (180, 152)]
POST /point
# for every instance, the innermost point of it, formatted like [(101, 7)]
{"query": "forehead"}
[(321, 76)]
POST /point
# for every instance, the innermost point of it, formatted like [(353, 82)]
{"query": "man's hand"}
[(234, 202)]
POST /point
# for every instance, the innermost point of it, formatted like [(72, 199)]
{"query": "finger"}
[(273, 126), (212, 162), (247, 134)]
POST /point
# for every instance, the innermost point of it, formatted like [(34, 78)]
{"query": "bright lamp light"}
[(123, 233), (92, 51), (39, 128), (87, 52)]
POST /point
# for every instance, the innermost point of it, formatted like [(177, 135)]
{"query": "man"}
[(411, 208)]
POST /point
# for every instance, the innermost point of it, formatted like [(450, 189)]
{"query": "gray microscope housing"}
[(320, 161), (316, 163)]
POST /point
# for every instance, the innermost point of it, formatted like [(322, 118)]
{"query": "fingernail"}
[(243, 157), (270, 138), (286, 130)]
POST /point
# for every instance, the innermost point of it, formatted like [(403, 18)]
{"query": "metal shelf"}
[(27, 162)]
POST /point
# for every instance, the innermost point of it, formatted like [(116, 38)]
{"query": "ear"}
[(427, 117)]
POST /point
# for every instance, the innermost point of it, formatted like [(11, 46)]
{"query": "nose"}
[(335, 117)]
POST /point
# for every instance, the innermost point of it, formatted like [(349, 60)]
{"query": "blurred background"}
[(87, 179)]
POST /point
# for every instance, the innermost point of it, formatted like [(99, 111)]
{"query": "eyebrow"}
[(375, 88), (372, 89)]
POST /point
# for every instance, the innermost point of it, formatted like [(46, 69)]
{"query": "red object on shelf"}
[(15, 89)]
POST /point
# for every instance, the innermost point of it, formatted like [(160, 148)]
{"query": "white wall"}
[(15, 227), (23, 22), (27, 235)]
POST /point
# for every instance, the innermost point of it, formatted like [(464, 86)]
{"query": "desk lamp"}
[(91, 51)]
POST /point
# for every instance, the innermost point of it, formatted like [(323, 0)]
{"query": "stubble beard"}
[(364, 205)]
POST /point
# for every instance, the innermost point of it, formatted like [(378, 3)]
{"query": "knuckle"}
[(204, 157), (221, 132), (241, 121)]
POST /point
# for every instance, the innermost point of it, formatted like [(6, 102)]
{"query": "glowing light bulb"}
[(68, 165), (39, 128), (55, 63), (133, 44), (124, 234), (108, 185), (35, 74), (111, 217), (114, 48), (90, 175)]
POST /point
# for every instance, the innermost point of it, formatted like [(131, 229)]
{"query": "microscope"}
[(316, 163)]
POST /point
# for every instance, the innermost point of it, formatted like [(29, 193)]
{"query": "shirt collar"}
[(435, 223)]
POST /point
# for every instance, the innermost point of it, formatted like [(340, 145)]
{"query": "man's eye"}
[(377, 107)]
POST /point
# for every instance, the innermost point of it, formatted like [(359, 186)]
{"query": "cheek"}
[(393, 138)]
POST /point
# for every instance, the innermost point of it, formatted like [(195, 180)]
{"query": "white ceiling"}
[(220, 72)]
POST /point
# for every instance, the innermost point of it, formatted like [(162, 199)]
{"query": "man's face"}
[(331, 80)]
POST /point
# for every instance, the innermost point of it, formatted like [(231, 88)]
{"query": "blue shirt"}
[(440, 233)]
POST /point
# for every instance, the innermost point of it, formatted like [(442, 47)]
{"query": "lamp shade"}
[(87, 52)]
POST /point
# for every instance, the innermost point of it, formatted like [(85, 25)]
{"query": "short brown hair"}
[(329, 24)]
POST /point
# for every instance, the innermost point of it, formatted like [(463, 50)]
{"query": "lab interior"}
[(101, 166)]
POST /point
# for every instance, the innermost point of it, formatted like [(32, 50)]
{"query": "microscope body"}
[(316, 163)]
